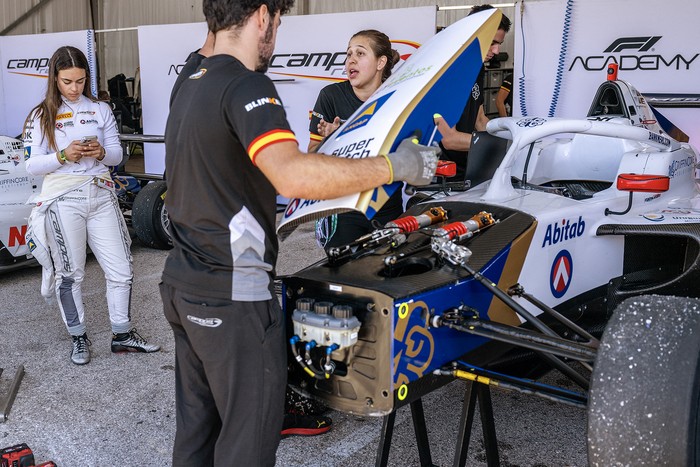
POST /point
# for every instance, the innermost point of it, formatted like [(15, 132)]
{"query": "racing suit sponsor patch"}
[(64, 115)]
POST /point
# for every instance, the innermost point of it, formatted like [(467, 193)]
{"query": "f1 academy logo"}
[(635, 53)]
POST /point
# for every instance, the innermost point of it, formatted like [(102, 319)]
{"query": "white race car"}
[(142, 204), (583, 246)]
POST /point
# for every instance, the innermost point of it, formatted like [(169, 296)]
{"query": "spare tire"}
[(149, 217), (644, 406)]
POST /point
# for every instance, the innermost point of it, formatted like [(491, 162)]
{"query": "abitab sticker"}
[(561, 274)]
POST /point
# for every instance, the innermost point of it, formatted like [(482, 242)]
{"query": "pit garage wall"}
[(24, 72), (298, 67), (562, 48)]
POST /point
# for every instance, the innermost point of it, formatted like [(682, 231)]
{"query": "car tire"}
[(149, 217), (644, 406)]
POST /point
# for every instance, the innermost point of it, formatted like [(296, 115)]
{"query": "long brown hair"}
[(381, 46), (62, 59)]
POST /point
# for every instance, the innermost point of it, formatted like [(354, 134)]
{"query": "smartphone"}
[(87, 139)]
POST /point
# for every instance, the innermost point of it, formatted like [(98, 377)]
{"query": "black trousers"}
[(230, 378)]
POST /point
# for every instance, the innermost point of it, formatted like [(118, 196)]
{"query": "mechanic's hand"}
[(451, 137), (326, 128), (413, 163)]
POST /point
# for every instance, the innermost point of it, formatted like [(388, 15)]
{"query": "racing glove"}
[(413, 163)]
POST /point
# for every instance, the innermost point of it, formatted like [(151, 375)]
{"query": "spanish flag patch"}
[(266, 139)]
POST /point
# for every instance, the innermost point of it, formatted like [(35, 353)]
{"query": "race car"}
[(582, 247), (141, 198)]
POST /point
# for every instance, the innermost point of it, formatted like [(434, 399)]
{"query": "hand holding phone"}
[(87, 139)]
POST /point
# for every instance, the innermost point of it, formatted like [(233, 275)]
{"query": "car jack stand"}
[(421, 436), (473, 392), (6, 404)]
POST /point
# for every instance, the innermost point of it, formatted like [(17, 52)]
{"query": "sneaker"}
[(80, 353), (305, 425), (132, 342)]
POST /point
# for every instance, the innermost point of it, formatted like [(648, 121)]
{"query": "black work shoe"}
[(80, 353), (305, 425), (132, 342)]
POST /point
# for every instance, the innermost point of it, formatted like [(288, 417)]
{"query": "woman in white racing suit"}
[(71, 139)]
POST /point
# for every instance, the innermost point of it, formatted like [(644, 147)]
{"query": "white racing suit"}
[(77, 207)]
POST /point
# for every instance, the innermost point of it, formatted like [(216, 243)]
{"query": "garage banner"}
[(563, 48), (309, 54), (25, 68)]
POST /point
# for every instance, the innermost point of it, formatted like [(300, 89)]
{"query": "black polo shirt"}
[(222, 208)]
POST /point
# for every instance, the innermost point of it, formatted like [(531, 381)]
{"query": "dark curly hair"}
[(505, 21), (225, 14)]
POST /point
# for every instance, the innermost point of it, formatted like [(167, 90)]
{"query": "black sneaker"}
[(132, 342), (80, 353), (305, 425)]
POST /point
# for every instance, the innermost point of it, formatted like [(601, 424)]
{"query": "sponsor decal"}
[(89, 121), (60, 241), (297, 203), (653, 216), (14, 181), (262, 101), (198, 74), (568, 230), (17, 236), (356, 150), (561, 274), (86, 112), (658, 138), (61, 125), (206, 322), (476, 91), (635, 57), (64, 115), (405, 75), (27, 152), (682, 166), (652, 198), (368, 111), (599, 119), (531, 122), (31, 244)]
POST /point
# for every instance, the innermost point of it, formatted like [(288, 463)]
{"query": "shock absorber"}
[(462, 230), (409, 224)]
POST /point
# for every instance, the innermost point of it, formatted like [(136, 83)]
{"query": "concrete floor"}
[(119, 409)]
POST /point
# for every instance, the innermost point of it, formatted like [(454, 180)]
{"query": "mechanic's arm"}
[(318, 176), (501, 102), (481, 120), (452, 138)]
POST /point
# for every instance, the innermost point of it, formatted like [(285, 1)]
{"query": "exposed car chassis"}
[(587, 225)]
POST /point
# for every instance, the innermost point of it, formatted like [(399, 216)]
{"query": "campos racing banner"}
[(309, 54), (25, 68), (563, 48)]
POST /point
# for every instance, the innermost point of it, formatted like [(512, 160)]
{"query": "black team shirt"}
[(222, 208), (466, 124)]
